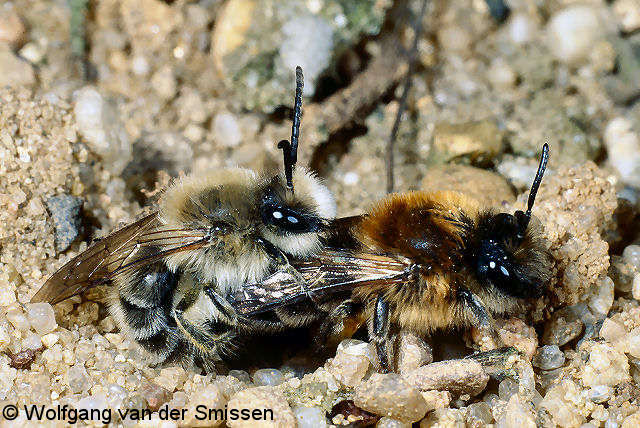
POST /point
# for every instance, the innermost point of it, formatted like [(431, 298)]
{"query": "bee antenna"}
[(290, 149), (536, 181)]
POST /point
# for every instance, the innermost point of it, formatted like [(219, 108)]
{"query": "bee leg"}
[(380, 334), (210, 340), (473, 302), (341, 323), (483, 320), (222, 305), (283, 265)]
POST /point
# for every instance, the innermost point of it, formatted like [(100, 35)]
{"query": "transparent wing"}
[(120, 252), (329, 272)]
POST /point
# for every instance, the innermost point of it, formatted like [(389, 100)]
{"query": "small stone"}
[(631, 255), (210, 397), (12, 28), (7, 375), (154, 395), (262, 397), (635, 290), (623, 148), (633, 343), (226, 130), (100, 126), (5, 338), (514, 332), (628, 14), (18, 319), (478, 141), (390, 395), (268, 377), (241, 375), (23, 359), (7, 296), (548, 357), (480, 412), (357, 348), (15, 71), (521, 28), (310, 417), (436, 399), (572, 32), (517, 414), (66, 212), (413, 352), (41, 317), (347, 368), (480, 184), (32, 53), (458, 376), (612, 331), (606, 365), (78, 379), (602, 296), (164, 83), (387, 422), (599, 393), (507, 388), (48, 340), (501, 75), (562, 328), (31, 342)]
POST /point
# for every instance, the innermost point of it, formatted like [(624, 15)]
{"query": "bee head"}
[(293, 216), (510, 255)]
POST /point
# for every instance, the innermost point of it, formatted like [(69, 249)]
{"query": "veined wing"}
[(331, 271), (122, 251)]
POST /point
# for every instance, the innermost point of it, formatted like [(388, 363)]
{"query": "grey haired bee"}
[(171, 273)]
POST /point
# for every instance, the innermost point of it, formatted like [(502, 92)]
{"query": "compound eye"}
[(288, 220)]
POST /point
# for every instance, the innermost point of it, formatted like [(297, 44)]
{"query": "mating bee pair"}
[(237, 253)]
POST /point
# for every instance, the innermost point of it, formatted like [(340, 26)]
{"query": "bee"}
[(417, 261), (171, 273)]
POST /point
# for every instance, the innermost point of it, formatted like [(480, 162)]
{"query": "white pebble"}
[(602, 296), (41, 317), (271, 377), (98, 122), (623, 148), (310, 417), (549, 357), (226, 130), (18, 319), (633, 342), (599, 393), (5, 339), (500, 74), (521, 28), (631, 255), (50, 339), (572, 33), (7, 296), (32, 341), (636, 286)]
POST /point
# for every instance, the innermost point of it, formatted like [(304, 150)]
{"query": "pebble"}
[(480, 412), (348, 368), (516, 413), (480, 141), (78, 379), (15, 71), (226, 130), (548, 357), (164, 83), (390, 395), (23, 359), (310, 417), (457, 376), (5, 338), (436, 399), (635, 290), (599, 393), (307, 42), (486, 186), (387, 422), (413, 352), (562, 328), (211, 397), (572, 32), (66, 212), (31, 342), (501, 74), (262, 397), (628, 14), (631, 255), (101, 128), (241, 375), (12, 28), (602, 296), (606, 365), (154, 395), (18, 319), (358, 348), (41, 317), (521, 28), (623, 148), (268, 377)]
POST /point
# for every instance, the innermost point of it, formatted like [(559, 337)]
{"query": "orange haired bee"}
[(416, 261)]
